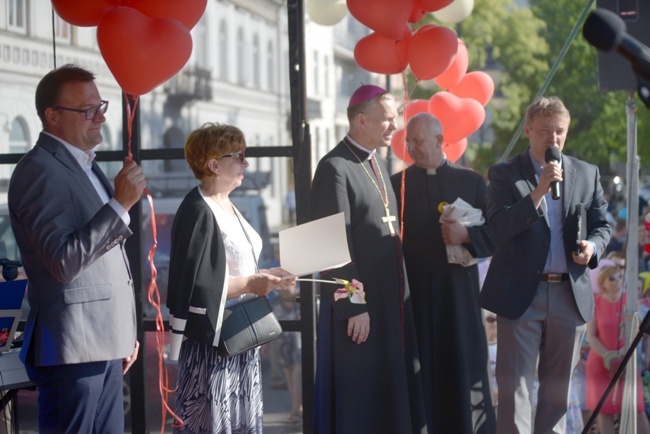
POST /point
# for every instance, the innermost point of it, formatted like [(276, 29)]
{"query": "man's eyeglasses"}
[(614, 277), (91, 112), (241, 156)]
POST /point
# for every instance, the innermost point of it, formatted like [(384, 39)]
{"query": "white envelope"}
[(314, 246)]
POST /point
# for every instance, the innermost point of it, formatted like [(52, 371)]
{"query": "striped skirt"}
[(218, 395)]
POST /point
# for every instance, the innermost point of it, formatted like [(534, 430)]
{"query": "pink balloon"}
[(454, 151), (477, 85), (142, 52), (83, 13), (398, 145), (376, 53), (460, 117), (452, 75), (414, 107), (435, 5), (188, 12), (431, 51), (417, 13), (386, 17)]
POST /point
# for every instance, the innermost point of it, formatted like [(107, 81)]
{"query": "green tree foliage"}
[(599, 122)]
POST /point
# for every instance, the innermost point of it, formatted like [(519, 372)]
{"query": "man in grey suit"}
[(70, 226), (538, 280)]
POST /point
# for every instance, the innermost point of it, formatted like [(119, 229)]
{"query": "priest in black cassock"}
[(367, 368), (450, 332)]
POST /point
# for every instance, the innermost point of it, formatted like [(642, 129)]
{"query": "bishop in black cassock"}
[(450, 332), (366, 371)]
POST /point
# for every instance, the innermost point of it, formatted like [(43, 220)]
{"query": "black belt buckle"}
[(553, 277)]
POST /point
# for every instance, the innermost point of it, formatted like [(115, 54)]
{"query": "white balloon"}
[(326, 12), (456, 12)]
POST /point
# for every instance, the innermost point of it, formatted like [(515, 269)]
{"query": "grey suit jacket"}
[(80, 288), (522, 236)]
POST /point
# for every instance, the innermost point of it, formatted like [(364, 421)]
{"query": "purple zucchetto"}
[(364, 93)]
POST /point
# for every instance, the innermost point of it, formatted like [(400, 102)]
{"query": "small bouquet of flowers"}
[(351, 290)]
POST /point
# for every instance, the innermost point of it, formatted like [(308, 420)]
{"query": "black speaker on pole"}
[(614, 71)]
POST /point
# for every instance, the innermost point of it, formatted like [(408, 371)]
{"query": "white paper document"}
[(315, 246), (467, 216)]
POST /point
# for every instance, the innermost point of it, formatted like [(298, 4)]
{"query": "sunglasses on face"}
[(241, 156), (614, 277)]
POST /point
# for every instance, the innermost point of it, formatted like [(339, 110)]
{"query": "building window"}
[(223, 51), (201, 42), (241, 57), (257, 64), (62, 30), (316, 71), (18, 136), (326, 76), (17, 15), (270, 66)]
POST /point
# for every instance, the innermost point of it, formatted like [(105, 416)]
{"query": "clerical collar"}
[(361, 148), (435, 171), (84, 158)]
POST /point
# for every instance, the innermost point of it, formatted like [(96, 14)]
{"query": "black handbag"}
[(248, 325)]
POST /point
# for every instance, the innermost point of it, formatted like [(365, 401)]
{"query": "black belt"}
[(555, 277)]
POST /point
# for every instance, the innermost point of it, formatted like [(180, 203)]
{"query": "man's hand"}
[(129, 184), (586, 252), (552, 172), (453, 232), (359, 327), (128, 361)]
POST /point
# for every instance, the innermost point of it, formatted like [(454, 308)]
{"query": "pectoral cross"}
[(389, 219)]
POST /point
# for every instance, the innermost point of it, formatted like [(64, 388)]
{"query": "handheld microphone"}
[(607, 31), (553, 155), (9, 263)]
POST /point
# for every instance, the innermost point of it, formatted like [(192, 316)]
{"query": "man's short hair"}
[(368, 105), (546, 106), (49, 88)]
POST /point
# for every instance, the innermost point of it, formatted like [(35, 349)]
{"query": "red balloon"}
[(460, 117), (386, 17), (376, 53), (477, 85), (417, 13), (454, 151), (83, 13), (452, 75), (142, 52), (431, 51), (414, 107), (435, 5), (398, 145), (188, 12)]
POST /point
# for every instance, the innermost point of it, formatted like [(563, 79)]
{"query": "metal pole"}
[(631, 263), (302, 182)]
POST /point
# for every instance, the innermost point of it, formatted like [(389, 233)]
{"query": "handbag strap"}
[(257, 269)]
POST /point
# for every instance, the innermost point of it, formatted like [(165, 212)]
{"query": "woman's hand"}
[(262, 283), (288, 279)]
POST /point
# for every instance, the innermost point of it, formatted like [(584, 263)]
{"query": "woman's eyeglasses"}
[(614, 277), (241, 156)]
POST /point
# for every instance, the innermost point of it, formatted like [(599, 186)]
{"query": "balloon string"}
[(153, 293), (403, 144)]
